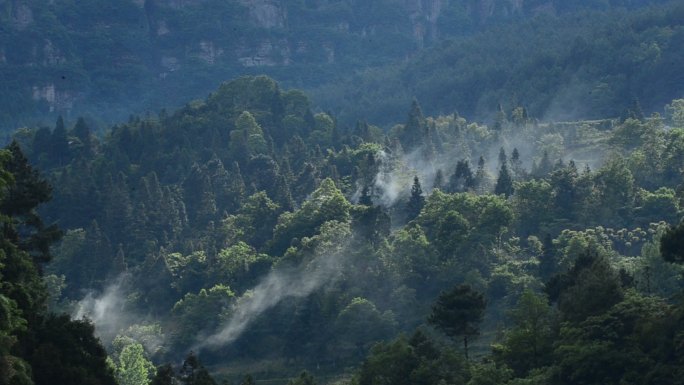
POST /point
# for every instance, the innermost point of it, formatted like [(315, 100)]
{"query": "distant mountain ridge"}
[(105, 58)]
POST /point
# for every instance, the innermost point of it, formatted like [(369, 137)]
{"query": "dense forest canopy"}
[(494, 194), (247, 229), (107, 59)]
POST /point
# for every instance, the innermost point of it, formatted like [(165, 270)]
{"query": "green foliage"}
[(457, 223), (153, 199), (529, 343), (555, 64), (418, 360), (201, 311), (360, 324), (133, 368), (675, 112), (416, 200), (504, 183), (589, 288), (672, 244), (305, 378), (240, 266), (618, 345), (327, 203), (193, 372), (459, 312), (489, 374), (67, 352)]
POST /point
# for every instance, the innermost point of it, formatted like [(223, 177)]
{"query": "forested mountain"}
[(36, 346), (493, 195), (266, 239), (587, 65), (109, 58)]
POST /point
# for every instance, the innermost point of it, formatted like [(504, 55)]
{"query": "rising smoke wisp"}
[(323, 268), (106, 310)]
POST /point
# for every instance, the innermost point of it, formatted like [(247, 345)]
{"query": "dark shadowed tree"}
[(587, 289), (438, 183), (416, 201), (458, 312), (20, 202), (193, 373), (415, 130), (164, 375), (462, 179), (305, 378), (672, 244), (504, 183)]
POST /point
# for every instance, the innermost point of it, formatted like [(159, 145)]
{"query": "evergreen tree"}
[(60, 143), (305, 378), (590, 287), (481, 182), (462, 179), (439, 180), (24, 195), (503, 158), (193, 373), (500, 118), (504, 183), (164, 375), (36, 347), (544, 167), (41, 148), (237, 191), (547, 259), (365, 198), (516, 165), (82, 132), (458, 312), (672, 244), (306, 182), (414, 131), (117, 210), (416, 201), (283, 195)]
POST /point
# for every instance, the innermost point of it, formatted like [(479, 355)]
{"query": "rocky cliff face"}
[(266, 13), (121, 49), (424, 15)]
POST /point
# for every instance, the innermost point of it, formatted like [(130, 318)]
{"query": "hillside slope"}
[(108, 58)]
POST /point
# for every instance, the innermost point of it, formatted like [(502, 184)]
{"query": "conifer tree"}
[(60, 143), (516, 164), (416, 201), (462, 178), (503, 158), (439, 180), (24, 195), (459, 312), (194, 373), (83, 133), (544, 167), (237, 189), (365, 198), (36, 347), (500, 119), (481, 183), (414, 131), (504, 183)]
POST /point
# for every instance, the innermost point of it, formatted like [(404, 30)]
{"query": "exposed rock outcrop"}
[(266, 13)]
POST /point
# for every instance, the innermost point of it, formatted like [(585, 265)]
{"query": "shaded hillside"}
[(265, 238), (107, 58), (580, 66)]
